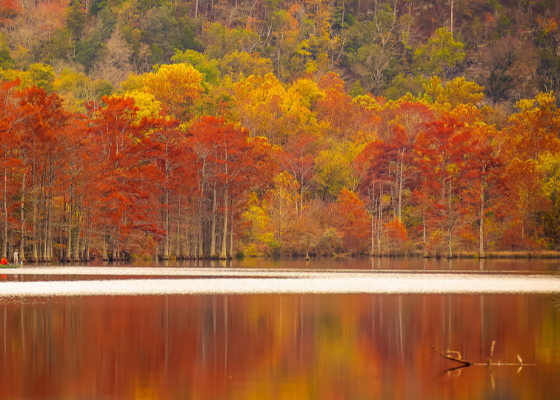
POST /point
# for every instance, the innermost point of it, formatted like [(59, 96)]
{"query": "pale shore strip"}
[(298, 282)]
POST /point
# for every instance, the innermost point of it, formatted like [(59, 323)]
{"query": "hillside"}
[(510, 48)]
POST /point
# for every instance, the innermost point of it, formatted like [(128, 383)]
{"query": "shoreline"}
[(292, 283)]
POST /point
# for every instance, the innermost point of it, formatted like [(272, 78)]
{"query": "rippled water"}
[(281, 331)]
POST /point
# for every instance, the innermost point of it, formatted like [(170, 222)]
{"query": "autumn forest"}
[(223, 128)]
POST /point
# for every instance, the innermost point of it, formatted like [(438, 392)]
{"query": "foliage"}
[(440, 54)]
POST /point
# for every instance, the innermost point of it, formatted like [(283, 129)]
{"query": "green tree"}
[(199, 62), (440, 54), (76, 19)]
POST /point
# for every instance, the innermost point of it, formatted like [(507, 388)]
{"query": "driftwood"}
[(458, 358), (489, 361)]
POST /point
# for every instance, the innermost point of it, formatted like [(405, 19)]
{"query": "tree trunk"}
[(424, 230), (449, 223), (301, 196), (10, 243), (22, 221), (200, 250), (87, 235), (49, 234), (165, 252), (44, 228), (481, 231), (104, 255), (35, 250), (401, 173), (178, 251), (187, 251), (68, 255), (76, 256), (5, 213), (231, 230), (380, 223), (213, 253), (50, 212), (223, 253)]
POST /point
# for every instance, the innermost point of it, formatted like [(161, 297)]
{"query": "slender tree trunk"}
[(165, 253), (481, 218), (87, 235), (22, 221), (104, 255), (372, 252), (50, 211), (231, 230), (223, 253), (76, 256), (35, 250), (5, 213), (178, 251), (373, 216), (301, 196), (424, 230), (49, 239), (68, 255), (449, 223), (44, 227), (401, 173), (380, 223), (187, 250), (10, 243), (213, 253), (200, 250)]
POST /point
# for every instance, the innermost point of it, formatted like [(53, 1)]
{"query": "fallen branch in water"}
[(459, 359), (489, 361)]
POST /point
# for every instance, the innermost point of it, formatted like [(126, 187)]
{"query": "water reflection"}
[(293, 346), (353, 263)]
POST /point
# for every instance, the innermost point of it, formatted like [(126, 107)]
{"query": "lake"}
[(364, 329)]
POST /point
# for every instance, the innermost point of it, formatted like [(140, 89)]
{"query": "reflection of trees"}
[(225, 347)]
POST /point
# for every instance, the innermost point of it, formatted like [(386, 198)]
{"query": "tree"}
[(298, 160), (534, 129), (115, 65), (510, 63), (548, 167), (440, 54), (12, 116), (353, 221), (75, 19), (177, 87), (442, 152), (238, 65), (227, 163), (485, 170), (122, 179)]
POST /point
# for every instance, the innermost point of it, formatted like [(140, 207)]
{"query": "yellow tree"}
[(282, 202), (177, 87), (534, 129), (267, 109), (532, 132)]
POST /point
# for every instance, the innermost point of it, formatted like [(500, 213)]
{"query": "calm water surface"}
[(272, 346)]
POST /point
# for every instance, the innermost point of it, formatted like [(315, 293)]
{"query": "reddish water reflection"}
[(264, 347), (345, 263)]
